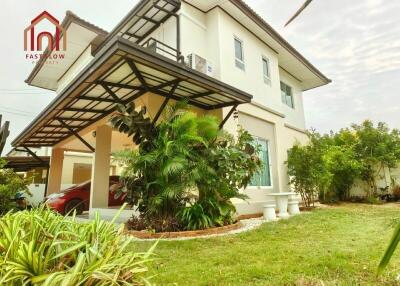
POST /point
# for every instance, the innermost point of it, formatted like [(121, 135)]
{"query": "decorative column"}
[(56, 166), (101, 169)]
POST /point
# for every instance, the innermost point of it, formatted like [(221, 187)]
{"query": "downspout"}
[(178, 37)]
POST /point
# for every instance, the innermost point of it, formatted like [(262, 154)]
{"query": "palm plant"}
[(164, 170), (187, 171)]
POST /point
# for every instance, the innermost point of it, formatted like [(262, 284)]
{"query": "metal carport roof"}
[(121, 72)]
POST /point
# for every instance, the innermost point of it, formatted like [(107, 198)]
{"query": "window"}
[(287, 95), (266, 71), (263, 178), (239, 55)]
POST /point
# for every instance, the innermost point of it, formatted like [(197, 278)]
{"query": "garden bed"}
[(184, 234)]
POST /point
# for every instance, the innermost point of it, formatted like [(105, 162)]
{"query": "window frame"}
[(239, 63), (269, 166), (267, 77), (284, 101)]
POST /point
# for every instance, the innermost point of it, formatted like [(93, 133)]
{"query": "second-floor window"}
[(266, 71), (239, 54), (287, 95)]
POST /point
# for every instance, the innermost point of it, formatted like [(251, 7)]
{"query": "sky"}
[(355, 43)]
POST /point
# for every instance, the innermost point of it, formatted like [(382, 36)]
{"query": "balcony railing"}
[(162, 49)]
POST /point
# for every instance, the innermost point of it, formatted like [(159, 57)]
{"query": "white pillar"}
[(101, 168), (55, 174)]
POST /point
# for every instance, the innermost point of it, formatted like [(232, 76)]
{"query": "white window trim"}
[(267, 78), (270, 168), (236, 38)]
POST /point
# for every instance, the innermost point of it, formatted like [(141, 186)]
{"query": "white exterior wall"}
[(251, 79), (211, 36), (294, 116), (74, 70), (70, 158), (383, 180)]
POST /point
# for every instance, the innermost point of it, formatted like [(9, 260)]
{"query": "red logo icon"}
[(33, 40)]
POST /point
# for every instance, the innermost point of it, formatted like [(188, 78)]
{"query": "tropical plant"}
[(40, 247), (10, 185), (185, 169)]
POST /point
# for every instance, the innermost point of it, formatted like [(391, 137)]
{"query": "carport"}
[(120, 73)]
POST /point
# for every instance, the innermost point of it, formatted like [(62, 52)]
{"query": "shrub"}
[(39, 247), (330, 164), (377, 147), (308, 171), (10, 185), (185, 169)]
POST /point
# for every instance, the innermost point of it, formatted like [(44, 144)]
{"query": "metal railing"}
[(162, 49)]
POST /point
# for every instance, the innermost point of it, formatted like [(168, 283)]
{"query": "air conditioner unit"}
[(200, 64)]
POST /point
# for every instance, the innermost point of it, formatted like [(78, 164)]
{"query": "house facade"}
[(219, 55)]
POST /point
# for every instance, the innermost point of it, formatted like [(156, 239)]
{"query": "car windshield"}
[(77, 186), (83, 184)]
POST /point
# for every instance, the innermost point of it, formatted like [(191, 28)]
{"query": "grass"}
[(339, 245)]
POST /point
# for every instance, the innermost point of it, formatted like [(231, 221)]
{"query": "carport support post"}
[(101, 169), (56, 167)]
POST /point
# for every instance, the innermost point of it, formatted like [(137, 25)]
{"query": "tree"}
[(376, 148), (331, 163)]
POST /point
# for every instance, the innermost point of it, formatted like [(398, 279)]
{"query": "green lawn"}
[(335, 246)]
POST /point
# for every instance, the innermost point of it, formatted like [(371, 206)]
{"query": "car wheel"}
[(74, 205)]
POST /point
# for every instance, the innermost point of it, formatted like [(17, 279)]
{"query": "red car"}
[(78, 197)]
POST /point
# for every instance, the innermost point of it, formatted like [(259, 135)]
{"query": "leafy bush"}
[(377, 148), (330, 164), (10, 185), (39, 247), (307, 170), (185, 169)]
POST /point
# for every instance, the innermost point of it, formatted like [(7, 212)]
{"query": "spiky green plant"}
[(394, 242), (39, 247)]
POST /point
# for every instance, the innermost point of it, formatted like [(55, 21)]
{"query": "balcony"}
[(163, 49)]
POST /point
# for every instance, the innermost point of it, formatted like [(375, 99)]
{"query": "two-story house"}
[(219, 55)]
